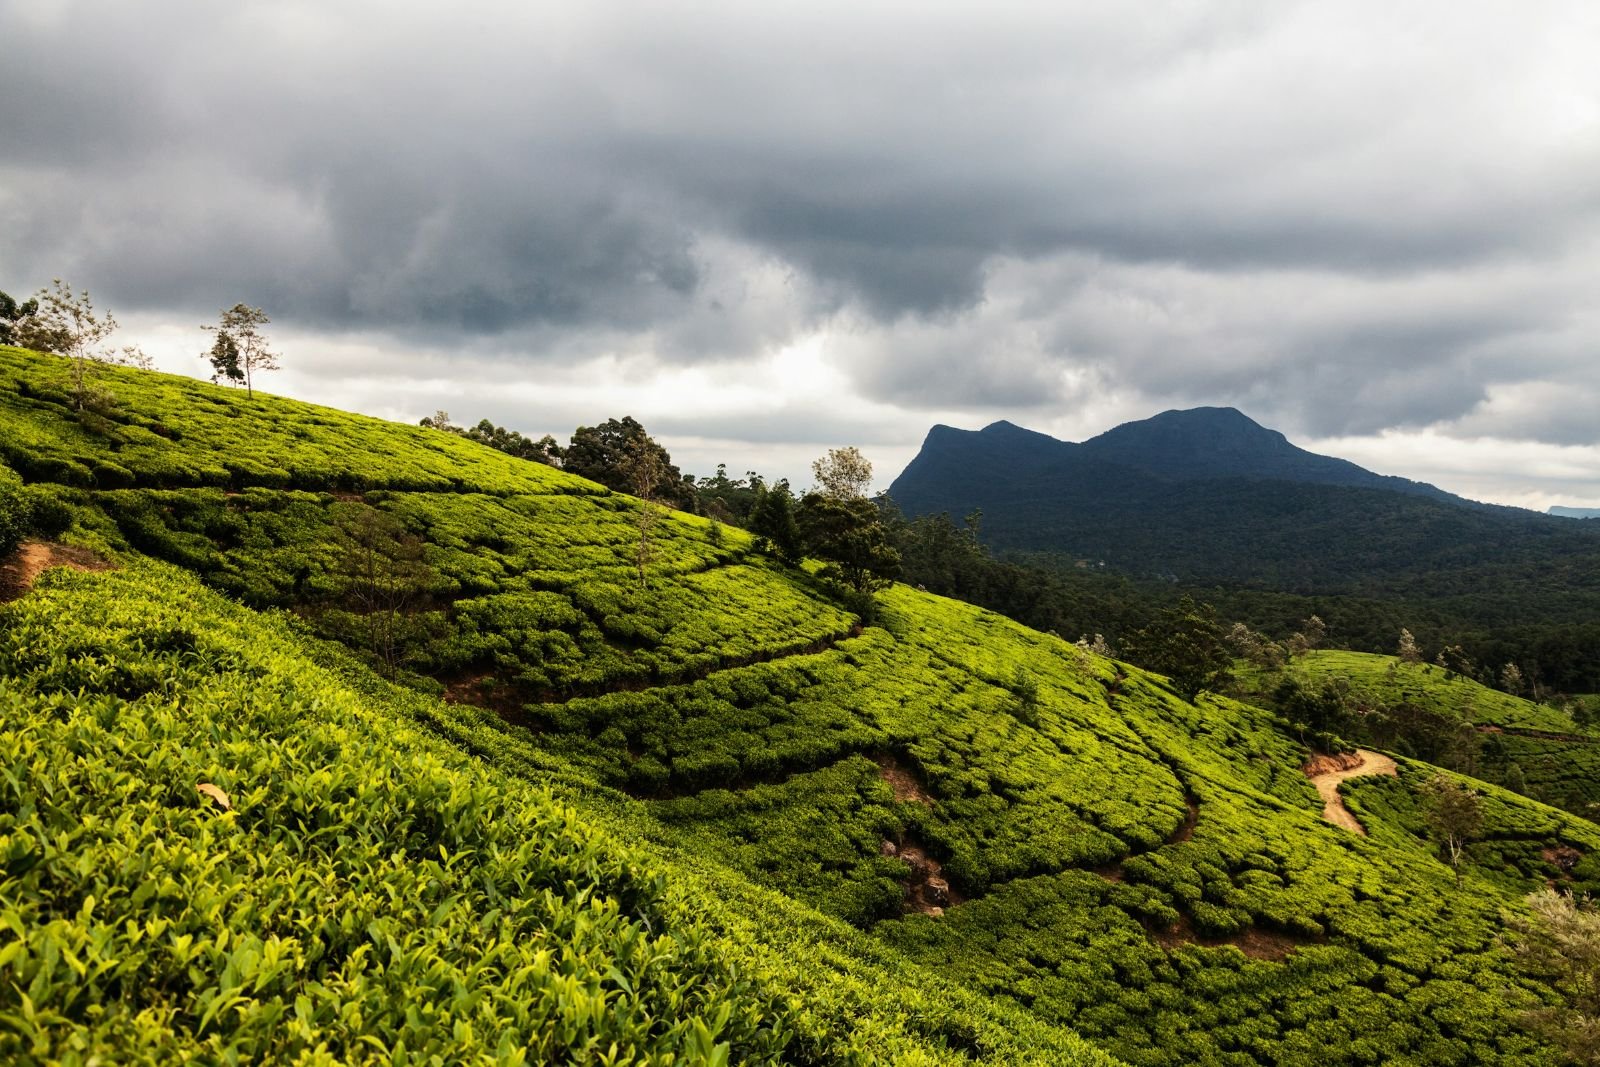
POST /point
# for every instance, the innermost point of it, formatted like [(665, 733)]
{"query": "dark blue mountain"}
[(1208, 494)]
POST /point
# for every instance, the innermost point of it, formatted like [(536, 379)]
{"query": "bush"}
[(16, 510)]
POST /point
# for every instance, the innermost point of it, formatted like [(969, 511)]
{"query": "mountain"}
[(1200, 444), (1574, 513), (327, 739), (1210, 495)]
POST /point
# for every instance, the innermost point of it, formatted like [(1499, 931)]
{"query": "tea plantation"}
[(1537, 748), (549, 798)]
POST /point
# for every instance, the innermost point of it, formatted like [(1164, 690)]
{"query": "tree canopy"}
[(240, 348), (610, 454), (1187, 644)]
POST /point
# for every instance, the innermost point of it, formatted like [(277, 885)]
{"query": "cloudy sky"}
[(1372, 225)]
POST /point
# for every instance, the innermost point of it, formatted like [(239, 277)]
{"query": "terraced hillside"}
[(1028, 838), (1537, 747)]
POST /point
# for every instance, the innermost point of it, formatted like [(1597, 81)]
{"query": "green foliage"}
[(14, 316), (703, 754), (16, 511), (512, 443), (362, 892), (772, 521), (610, 452), (847, 533), (1187, 644), (179, 433)]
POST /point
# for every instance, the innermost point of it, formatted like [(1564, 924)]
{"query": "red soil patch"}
[(470, 689), (904, 781), (1253, 941), (33, 558), (1190, 819), (1562, 857), (927, 890), (1322, 763)]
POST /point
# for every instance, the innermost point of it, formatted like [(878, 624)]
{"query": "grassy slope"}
[(374, 893), (1561, 769), (749, 716)]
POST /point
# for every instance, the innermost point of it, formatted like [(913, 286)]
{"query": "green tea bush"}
[(212, 848), (16, 510)]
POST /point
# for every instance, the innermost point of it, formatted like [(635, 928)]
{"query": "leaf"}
[(206, 789)]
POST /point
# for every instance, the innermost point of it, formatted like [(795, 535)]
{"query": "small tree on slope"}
[(240, 348)]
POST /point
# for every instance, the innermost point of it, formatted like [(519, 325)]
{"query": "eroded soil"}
[(33, 558)]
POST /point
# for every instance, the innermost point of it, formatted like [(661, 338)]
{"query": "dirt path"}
[(1326, 772), (33, 558)]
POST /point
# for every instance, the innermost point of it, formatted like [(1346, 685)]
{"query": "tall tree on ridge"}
[(241, 346)]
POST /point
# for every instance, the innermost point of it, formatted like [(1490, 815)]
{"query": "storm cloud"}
[(760, 228)]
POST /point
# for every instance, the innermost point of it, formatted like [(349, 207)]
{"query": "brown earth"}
[(927, 890), (904, 781), (33, 558), (1253, 941), (1326, 772)]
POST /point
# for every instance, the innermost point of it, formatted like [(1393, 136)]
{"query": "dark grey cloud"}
[(1343, 218)]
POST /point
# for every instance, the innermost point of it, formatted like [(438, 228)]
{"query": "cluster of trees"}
[(64, 320), (545, 450)]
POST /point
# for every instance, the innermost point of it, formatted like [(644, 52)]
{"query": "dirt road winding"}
[(1326, 772)]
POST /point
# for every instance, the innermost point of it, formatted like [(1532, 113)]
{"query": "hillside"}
[(1555, 759), (1209, 502), (704, 805)]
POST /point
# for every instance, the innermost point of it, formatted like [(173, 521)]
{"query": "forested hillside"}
[(1212, 502), (363, 741)]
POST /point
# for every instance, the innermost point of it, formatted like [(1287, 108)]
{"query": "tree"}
[(224, 356), (607, 453), (65, 322), (772, 520), (1407, 648), (1187, 644), (13, 317), (843, 473), (241, 325), (439, 420), (544, 450), (730, 499), (384, 574), (644, 466), (1455, 818), (849, 536), (1560, 942), (1511, 679), (1098, 646)]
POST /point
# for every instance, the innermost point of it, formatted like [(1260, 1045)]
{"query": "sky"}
[(766, 230)]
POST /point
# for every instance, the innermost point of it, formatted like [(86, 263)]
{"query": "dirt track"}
[(33, 558), (1327, 772)]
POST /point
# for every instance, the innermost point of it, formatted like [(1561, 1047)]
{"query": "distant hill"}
[(1574, 513), (1211, 495)]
